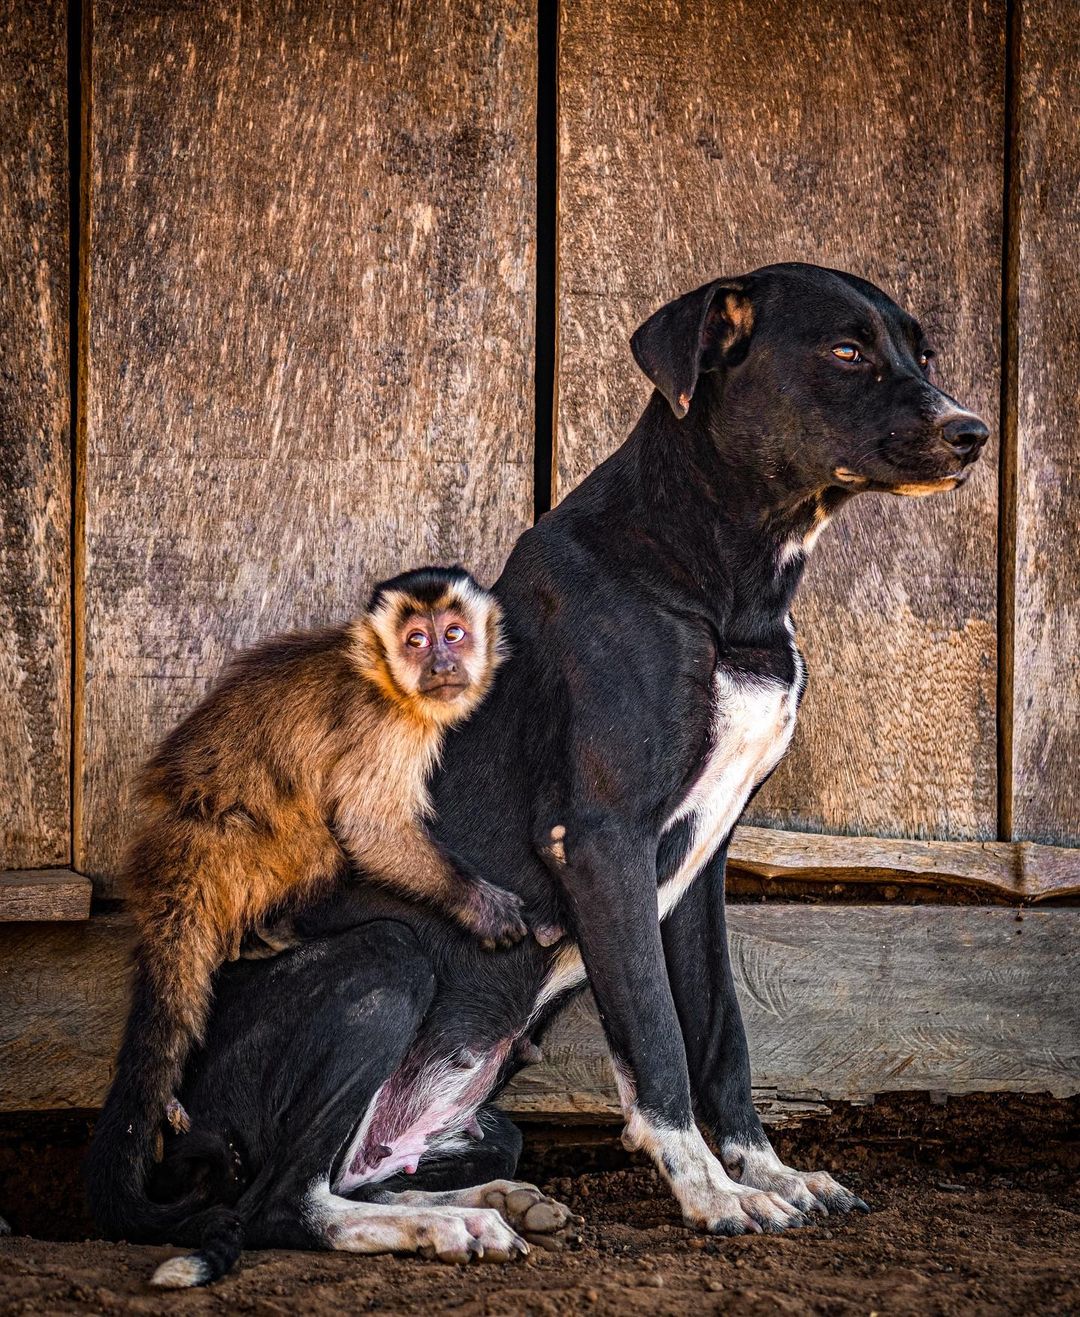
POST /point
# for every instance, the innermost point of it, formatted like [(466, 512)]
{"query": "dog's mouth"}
[(911, 486)]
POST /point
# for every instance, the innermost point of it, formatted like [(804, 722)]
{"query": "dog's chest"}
[(753, 719)]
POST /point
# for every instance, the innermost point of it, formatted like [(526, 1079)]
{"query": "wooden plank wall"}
[(844, 1002), (310, 341), (698, 140), (35, 473), (1044, 720)]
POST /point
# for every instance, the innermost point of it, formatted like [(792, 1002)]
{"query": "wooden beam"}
[(840, 1002), (1021, 871), (846, 1002), (44, 894)]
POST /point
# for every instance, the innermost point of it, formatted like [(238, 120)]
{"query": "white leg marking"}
[(449, 1233), (810, 1191), (710, 1199)]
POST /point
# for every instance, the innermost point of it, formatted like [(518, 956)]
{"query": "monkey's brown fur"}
[(313, 750)]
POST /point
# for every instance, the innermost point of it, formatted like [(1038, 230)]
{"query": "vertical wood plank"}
[(311, 332), (1045, 748), (35, 473), (698, 140)]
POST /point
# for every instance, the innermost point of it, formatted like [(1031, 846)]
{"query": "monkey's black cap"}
[(428, 586)]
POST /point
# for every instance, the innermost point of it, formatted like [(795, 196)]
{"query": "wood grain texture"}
[(63, 996), (699, 140), (1023, 872), (44, 895), (842, 1002), (1045, 742), (850, 1002), (35, 475), (310, 339)]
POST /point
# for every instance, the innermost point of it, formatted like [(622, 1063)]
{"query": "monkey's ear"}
[(698, 332)]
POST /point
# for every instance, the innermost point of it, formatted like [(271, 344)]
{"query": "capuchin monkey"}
[(312, 753)]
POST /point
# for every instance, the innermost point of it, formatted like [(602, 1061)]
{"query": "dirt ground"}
[(976, 1210)]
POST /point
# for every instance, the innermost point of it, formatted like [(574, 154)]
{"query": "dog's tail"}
[(122, 1153), (221, 1245)]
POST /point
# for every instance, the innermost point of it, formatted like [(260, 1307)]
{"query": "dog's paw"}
[(810, 1191), (541, 1220), (477, 1236), (743, 1212)]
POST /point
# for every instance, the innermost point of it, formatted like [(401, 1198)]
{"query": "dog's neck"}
[(739, 521)]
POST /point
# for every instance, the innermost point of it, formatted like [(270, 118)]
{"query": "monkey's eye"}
[(848, 353), (454, 634), (417, 640)]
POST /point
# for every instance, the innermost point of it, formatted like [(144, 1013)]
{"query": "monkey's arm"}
[(407, 860)]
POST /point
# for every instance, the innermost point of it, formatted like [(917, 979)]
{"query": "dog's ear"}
[(699, 332)]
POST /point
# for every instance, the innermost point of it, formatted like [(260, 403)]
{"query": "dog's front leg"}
[(609, 879), (703, 985)]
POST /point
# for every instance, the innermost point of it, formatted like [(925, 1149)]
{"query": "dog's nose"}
[(965, 435)]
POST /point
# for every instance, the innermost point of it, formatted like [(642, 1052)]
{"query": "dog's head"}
[(821, 372)]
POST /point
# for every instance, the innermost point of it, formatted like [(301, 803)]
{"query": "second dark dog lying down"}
[(653, 685)]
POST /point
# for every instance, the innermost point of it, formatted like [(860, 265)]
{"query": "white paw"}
[(743, 1212), (480, 1235), (810, 1191)]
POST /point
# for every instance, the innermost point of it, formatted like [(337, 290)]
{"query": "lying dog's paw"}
[(541, 1220), (810, 1191), (479, 1236)]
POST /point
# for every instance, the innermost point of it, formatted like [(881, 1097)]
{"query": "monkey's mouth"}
[(443, 690)]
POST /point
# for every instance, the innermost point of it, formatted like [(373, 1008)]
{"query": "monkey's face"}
[(431, 642), (436, 652)]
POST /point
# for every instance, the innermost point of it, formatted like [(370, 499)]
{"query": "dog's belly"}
[(752, 725)]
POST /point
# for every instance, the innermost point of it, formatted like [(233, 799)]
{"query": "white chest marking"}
[(753, 722), (752, 725)]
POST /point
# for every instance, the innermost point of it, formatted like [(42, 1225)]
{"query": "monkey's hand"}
[(491, 913), (177, 1116)]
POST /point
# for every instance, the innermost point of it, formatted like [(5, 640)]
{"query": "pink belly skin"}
[(425, 1102)]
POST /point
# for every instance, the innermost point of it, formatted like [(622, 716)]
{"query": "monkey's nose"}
[(443, 667)]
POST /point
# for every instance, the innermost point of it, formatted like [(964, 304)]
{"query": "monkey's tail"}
[(221, 1245), (156, 1040)]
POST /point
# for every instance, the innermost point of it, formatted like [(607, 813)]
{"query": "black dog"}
[(653, 686)]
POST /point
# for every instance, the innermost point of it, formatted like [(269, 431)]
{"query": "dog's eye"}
[(848, 352), (924, 359), (417, 640), (454, 634)]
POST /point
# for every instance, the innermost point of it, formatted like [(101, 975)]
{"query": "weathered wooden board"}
[(1023, 872), (310, 339), (1045, 740), (44, 894), (699, 139), (854, 1001), (35, 473), (840, 1002)]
